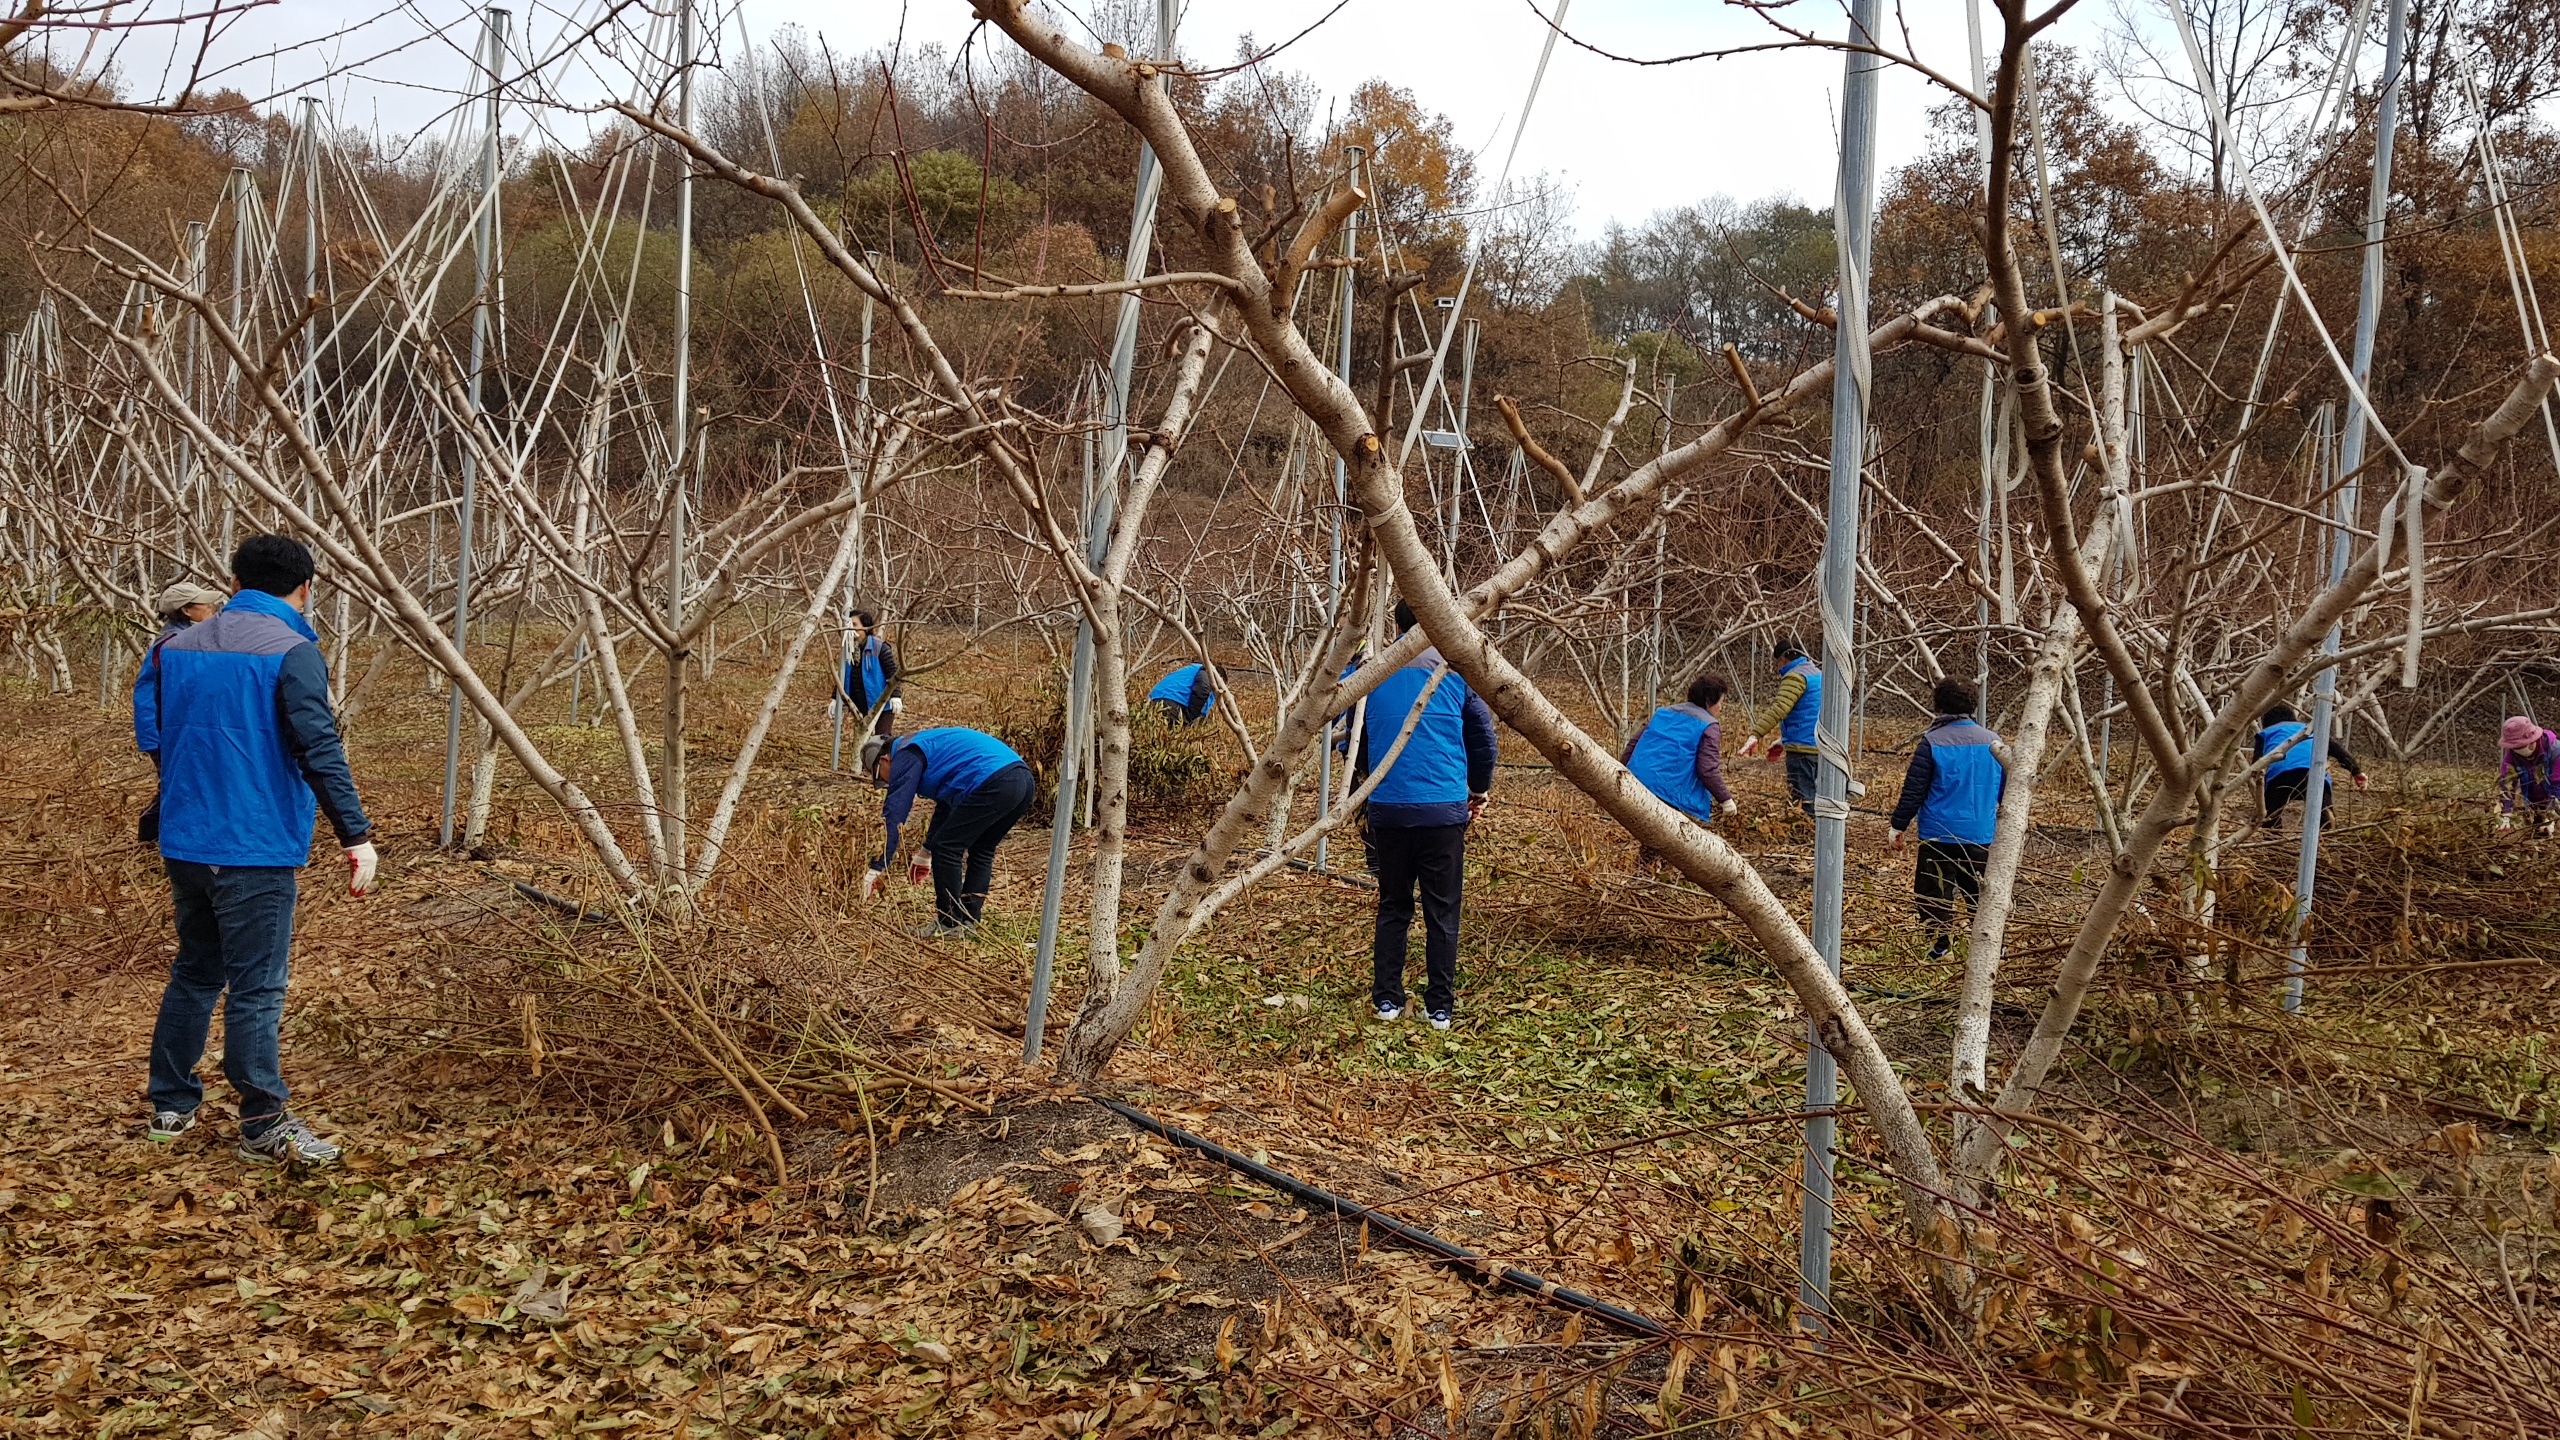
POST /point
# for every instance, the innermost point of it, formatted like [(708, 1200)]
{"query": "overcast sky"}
[(1627, 140)]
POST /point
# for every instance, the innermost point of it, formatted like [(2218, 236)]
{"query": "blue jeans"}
[(235, 934)]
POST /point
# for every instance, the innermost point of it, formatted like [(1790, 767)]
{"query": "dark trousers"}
[(1175, 713), (235, 937), (1431, 858), (963, 839), (1803, 773), (1949, 869), (860, 705), (2292, 785)]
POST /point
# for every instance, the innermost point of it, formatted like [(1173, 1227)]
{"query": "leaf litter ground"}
[(596, 1246)]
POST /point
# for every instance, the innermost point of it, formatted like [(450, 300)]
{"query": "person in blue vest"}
[(1791, 715), (979, 789), (2288, 778), (1678, 754), (871, 677), (234, 711), (1417, 822), (1951, 791), (1185, 696)]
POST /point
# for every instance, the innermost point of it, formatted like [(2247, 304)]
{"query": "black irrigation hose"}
[(1459, 1255), (571, 908)]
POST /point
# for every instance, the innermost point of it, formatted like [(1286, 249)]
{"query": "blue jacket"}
[(1450, 757), (945, 766), (866, 680), (1954, 783), (236, 713), (1798, 728), (1678, 756), (1189, 688)]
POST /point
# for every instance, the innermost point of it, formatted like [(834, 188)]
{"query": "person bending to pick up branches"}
[(1793, 715), (1185, 696), (2283, 734), (979, 789), (234, 710), (1952, 792), (2527, 756), (1677, 753), (1418, 818)]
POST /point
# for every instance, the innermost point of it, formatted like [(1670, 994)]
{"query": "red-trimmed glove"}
[(363, 864)]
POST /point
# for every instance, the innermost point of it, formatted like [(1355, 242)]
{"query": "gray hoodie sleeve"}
[(311, 733)]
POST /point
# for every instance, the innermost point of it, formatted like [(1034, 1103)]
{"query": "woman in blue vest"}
[(871, 678), (979, 789), (1952, 792), (1793, 714), (1677, 755), (2282, 733), (1417, 822), (1185, 696)]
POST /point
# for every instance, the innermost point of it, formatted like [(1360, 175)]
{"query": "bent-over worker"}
[(2283, 733), (1677, 755), (1185, 696), (979, 789)]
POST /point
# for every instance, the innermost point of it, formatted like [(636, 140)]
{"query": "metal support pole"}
[(242, 188), (671, 795), (1105, 488), (484, 238), (1854, 212), (2350, 460), (1341, 489)]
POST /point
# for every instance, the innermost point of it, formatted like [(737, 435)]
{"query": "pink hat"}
[(2518, 733)]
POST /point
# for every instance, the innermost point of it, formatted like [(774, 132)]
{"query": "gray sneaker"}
[(168, 1125), (290, 1142), (941, 928)]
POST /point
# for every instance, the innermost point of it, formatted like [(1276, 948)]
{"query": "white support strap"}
[(2415, 514)]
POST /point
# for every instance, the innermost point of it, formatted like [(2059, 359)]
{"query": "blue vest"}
[(2274, 737), (1665, 760), (1178, 687), (1963, 804), (957, 760), (230, 791), (1432, 768), (867, 669), (1798, 726)]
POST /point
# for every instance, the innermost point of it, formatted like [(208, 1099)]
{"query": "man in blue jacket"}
[(234, 711), (1185, 696), (1678, 754), (1952, 791), (1418, 819), (871, 677), (979, 789), (2289, 774)]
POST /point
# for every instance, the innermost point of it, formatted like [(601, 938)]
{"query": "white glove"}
[(897, 704), (2506, 822), (871, 882), (1895, 843), (363, 861), (1751, 746)]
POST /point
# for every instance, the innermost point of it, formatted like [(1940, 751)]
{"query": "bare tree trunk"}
[(1968, 1073), (716, 831)]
